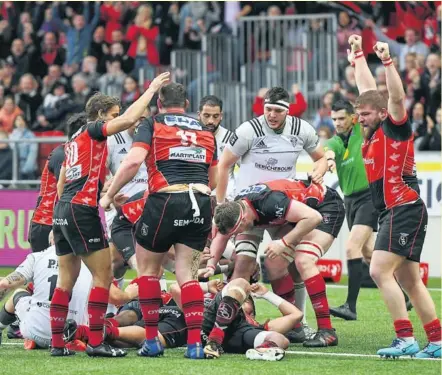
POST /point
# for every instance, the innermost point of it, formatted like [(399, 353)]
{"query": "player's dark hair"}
[(75, 122), (173, 95), (226, 216), (343, 105), (372, 98), (211, 101), (277, 93), (100, 103)]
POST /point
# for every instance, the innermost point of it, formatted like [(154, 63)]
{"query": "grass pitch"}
[(355, 354)]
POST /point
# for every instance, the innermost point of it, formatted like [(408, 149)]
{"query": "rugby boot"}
[(213, 350), (296, 335), (14, 331), (430, 351), (29, 344), (69, 330), (61, 352), (399, 348), (104, 350), (309, 332), (76, 346), (343, 312), (151, 348), (195, 351), (322, 339), (267, 351)]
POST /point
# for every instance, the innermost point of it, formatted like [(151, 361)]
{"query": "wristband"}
[(205, 287), (358, 54), (387, 62), (273, 298)]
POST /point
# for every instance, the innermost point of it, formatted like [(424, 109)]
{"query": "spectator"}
[(57, 105), (112, 82), (430, 84), (19, 58), (27, 152), (89, 69), (380, 75), (51, 53), (48, 25), (117, 51), (5, 158), (192, 37), (79, 35), (54, 75), (412, 43), (418, 120), (323, 117), (8, 113), (410, 65), (131, 91), (28, 98), (432, 138), (324, 133), (118, 37), (169, 33), (346, 28), (142, 36), (349, 81), (295, 109), (82, 92), (6, 37), (111, 14), (99, 49), (7, 77)]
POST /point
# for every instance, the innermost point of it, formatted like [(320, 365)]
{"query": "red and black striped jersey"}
[(48, 188), (85, 162), (390, 165), (180, 150)]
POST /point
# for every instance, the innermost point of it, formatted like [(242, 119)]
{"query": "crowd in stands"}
[(55, 55)]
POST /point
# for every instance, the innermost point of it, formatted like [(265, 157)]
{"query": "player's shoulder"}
[(118, 139), (223, 135), (397, 130), (253, 128)]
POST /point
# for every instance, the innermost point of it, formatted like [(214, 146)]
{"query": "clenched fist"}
[(382, 50), (355, 42)]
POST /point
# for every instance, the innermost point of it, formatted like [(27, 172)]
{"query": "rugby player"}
[(268, 148), (278, 205), (388, 153), (78, 232), (181, 156)]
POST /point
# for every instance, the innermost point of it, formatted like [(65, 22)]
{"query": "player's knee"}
[(279, 339), (18, 294), (352, 250), (304, 261), (238, 289)]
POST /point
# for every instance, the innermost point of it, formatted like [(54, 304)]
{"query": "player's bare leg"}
[(269, 346), (234, 295), (68, 271), (359, 235), (100, 265), (246, 250)]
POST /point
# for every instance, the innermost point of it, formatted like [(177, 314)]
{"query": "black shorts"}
[(173, 328), (359, 210), (238, 340), (77, 229), (39, 236), (333, 213), (168, 219), (402, 230), (123, 237), (134, 306)]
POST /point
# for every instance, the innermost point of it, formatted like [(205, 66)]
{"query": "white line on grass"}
[(349, 355)]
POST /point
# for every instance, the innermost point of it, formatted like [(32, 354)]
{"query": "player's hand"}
[(214, 286), (159, 81), (331, 165), (206, 272), (355, 42), (258, 289), (275, 249), (132, 291), (382, 50), (106, 202), (316, 177), (120, 199), (205, 256)]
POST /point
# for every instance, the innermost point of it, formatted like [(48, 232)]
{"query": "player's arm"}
[(213, 169), (135, 111), (19, 277), (119, 297), (364, 79), (330, 154), (396, 93), (61, 181), (317, 154), (217, 247), (132, 162)]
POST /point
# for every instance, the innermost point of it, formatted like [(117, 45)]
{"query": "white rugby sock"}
[(163, 283), (300, 298)]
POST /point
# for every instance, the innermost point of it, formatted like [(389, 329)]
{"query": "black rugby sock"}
[(354, 281), (6, 318)]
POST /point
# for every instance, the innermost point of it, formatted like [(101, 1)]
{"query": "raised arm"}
[(396, 93), (364, 79)]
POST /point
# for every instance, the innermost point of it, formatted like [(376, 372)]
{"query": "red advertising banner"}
[(16, 209)]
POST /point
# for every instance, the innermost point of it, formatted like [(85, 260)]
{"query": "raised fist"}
[(355, 42), (382, 50)]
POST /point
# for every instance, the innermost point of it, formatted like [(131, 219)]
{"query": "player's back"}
[(180, 149)]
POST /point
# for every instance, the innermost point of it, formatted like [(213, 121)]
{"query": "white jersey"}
[(42, 270), (222, 137), (118, 146), (266, 155)]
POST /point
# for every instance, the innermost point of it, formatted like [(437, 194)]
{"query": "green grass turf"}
[(372, 331)]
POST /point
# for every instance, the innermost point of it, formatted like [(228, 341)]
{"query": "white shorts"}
[(109, 216), (34, 322)]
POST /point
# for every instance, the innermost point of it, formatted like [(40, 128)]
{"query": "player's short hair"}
[(343, 105), (226, 216), (100, 103), (275, 94), (173, 95), (372, 98), (75, 122), (211, 101)]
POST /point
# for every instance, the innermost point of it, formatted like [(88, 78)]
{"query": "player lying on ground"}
[(388, 152), (32, 306), (279, 205)]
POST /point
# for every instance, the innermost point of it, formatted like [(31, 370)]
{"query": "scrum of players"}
[(173, 202)]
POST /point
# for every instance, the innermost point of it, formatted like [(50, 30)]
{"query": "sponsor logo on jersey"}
[(183, 223), (73, 173), (271, 165), (294, 141), (182, 121), (368, 161), (58, 221), (122, 151), (94, 240), (254, 189), (261, 144), (144, 229), (196, 154), (348, 161), (233, 139), (403, 239)]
